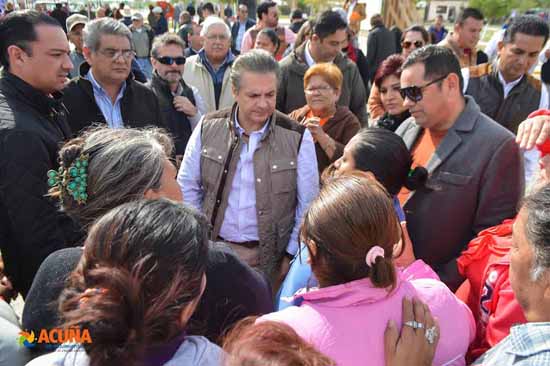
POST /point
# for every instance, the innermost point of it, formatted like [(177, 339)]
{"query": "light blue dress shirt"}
[(240, 222), (111, 112), (240, 35)]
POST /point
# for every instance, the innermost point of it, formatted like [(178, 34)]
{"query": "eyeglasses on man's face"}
[(114, 54), (217, 37), (414, 93)]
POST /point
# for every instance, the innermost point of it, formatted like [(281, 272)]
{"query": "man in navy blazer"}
[(239, 28)]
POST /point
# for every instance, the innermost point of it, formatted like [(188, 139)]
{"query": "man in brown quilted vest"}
[(252, 170)]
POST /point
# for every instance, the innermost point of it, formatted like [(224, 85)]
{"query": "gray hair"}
[(93, 31), (257, 61), (123, 164), (537, 229), (213, 21), (165, 40)]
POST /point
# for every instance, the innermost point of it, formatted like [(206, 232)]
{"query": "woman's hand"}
[(412, 347), (312, 124)]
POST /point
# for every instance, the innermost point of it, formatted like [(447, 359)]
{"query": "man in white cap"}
[(162, 24), (142, 40), (75, 23)]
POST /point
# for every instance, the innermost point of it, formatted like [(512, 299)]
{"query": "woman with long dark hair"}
[(139, 280)]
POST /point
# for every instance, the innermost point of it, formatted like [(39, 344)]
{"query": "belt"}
[(247, 244)]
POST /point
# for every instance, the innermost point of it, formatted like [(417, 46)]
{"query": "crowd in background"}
[(227, 190)]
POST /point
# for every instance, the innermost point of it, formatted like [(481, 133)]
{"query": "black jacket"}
[(177, 123), (32, 127), (139, 106), (235, 32), (380, 45)]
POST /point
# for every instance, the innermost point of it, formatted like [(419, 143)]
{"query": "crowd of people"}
[(247, 193)]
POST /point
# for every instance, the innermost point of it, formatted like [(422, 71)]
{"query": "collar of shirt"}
[(99, 89), (228, 59), (309, 59), (508, 86), (178, 91), (529, 339), (241, 130)]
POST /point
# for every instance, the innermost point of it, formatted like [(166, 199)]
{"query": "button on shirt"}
[(111, 111), (240, 222)]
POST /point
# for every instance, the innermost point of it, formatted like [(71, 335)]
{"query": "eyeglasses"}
[(114, 54), (407, 44), (219, 37), (318, 90), (414, 93), (167, 60)]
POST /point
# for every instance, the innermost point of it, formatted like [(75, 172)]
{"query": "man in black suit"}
[(239, 28)]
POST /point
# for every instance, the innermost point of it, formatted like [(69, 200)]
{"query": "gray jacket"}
[(475, 181), (290, 95), (196, 351)]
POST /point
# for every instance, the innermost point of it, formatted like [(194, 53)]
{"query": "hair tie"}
[(374, 253), (90, 292)]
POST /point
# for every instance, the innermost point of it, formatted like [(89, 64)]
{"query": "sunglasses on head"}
[(407, 44), (167, 60), (414, 93)]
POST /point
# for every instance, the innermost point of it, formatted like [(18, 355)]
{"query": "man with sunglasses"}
[(105, 91), (475, 167), (181, 105)]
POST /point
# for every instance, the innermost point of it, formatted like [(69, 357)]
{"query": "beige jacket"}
[(196, 74)]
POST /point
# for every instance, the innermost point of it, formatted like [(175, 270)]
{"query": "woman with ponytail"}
[(381, 155), (350, 231), (137, 284)]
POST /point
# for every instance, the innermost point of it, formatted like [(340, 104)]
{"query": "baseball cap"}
[(157, 9), (137, 16), (74, 20)]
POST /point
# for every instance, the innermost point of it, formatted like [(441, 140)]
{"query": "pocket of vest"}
[(211, 167), (283, 175)]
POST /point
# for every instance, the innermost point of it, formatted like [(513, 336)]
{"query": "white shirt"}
[(508, 86), (309, 59)]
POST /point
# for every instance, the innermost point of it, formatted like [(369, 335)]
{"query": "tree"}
[(494, 9)]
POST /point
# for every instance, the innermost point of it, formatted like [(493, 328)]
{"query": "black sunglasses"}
[(167, 60), (407, 44), (414, 93)]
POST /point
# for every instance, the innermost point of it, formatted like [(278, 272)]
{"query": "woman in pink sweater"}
[(350, 231)]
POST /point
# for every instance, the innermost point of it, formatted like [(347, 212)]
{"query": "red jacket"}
[(485, 264)]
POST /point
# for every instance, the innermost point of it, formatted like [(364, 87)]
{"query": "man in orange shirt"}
[(474, 165)]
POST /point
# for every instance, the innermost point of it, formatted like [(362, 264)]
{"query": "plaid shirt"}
[(527, 345)]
